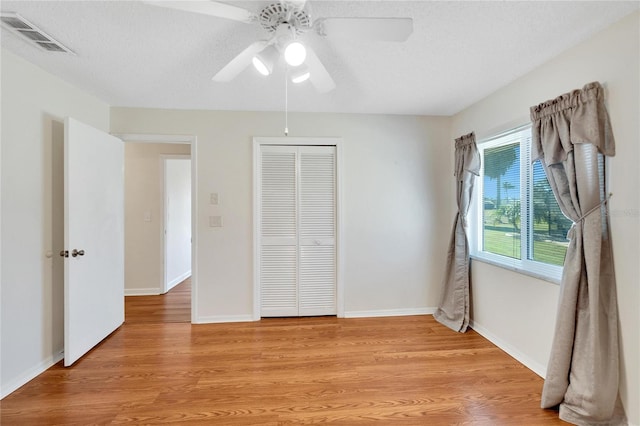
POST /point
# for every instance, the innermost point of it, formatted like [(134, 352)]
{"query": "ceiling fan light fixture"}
[(263, 61), (260, 66), (295, 53), (300, 75)]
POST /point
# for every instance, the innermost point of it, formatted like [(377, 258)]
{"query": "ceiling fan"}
[(286, 22)]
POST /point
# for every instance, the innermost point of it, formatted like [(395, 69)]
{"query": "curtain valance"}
[(576, 117)]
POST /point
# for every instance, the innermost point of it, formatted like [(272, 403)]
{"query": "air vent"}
[(30, 33)]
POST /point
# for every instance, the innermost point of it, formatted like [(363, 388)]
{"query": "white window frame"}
[(544, 271)]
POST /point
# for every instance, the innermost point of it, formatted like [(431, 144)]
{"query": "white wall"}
[(144, 195), (177, 200), (518, 311), (396, 210), (33, 104)]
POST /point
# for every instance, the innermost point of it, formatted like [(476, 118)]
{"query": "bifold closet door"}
[(297, 230), (317, 231), (278, 232)]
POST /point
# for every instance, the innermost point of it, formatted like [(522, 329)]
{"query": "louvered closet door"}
[(317, 231), (278, 229), (297, 231)]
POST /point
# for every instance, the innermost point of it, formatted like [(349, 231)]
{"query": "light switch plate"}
[(213, 198), (215, 221)]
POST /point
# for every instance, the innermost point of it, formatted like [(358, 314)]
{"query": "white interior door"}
[(94, 237)]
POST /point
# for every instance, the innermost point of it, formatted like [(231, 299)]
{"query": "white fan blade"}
[(240, 62), (319, 77), (378, 29), (212, 8)]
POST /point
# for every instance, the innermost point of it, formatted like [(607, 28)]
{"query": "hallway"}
[(174, 306)]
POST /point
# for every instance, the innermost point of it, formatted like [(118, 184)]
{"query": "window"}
[(515, 220)]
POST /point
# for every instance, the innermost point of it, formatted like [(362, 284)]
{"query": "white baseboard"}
[(351, 314), (390, 313), (523, 359), (224, 318), (152, 291), (174, 282), (30, 374)]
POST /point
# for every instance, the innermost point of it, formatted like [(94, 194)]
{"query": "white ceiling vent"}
[(32, 34)]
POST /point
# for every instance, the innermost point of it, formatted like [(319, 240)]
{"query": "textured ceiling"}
[(132, 54)]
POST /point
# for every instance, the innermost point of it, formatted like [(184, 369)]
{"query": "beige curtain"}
[(569, 133), (453, 310)]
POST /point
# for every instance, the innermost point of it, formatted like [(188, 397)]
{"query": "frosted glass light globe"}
[(301, 77), (295, 54), (260, 66)]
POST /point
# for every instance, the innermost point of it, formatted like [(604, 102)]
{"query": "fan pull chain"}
[(286, 101)]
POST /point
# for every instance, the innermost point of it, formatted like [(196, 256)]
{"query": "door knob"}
[(64, 253), (75, 253)]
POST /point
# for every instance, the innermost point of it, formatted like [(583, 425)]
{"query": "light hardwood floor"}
[(174, 306), (387, 371)]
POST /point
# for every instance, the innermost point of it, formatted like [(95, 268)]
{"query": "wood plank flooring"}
[(387, 371), (173, 306)]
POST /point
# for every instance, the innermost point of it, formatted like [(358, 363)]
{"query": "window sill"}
[(513, 268)]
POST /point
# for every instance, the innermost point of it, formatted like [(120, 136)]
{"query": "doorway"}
[(184, 296), (159, 253)]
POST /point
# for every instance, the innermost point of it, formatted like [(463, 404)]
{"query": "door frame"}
[(163, 230), (258, 142), (193, 141)]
